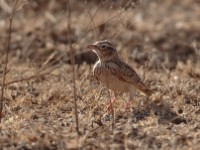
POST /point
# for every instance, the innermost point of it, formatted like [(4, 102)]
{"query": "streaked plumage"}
[(113, 72)]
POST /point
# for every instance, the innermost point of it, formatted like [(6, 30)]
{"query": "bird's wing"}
[(124, 72)]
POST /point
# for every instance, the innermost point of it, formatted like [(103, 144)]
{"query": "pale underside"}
[(117, 76)]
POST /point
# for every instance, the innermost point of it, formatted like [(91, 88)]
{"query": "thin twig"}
[(73, 71), (6, 59), (98, 25), (94, 26), (89, 27)]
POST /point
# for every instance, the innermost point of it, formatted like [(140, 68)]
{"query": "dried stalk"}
[(6, 59), (91, 16), (73, 71)]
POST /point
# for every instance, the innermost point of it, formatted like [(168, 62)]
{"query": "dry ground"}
[(160, 39)]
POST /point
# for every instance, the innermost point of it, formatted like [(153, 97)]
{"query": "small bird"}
[(114, 73)]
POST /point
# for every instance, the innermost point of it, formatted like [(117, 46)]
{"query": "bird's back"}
[(128, 75)]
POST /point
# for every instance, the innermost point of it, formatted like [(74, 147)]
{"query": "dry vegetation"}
[(160, 39)]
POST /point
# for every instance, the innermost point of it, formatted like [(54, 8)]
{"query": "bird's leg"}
[(111, 103), (113, 100), (130, 101)]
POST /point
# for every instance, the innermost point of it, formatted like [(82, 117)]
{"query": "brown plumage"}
[(114, 73)]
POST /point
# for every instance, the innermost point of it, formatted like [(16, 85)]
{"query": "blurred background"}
[(154, 31)]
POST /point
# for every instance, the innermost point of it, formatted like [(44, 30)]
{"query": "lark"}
[(114, 73)]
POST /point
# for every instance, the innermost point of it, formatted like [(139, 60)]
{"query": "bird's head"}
[(104, 50)]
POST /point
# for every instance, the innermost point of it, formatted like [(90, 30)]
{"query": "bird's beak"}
[(91, 46)]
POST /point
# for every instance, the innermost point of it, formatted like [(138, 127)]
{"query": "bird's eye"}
[(103, 46)]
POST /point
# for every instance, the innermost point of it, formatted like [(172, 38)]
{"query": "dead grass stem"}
[(6, 57), (73, 70)]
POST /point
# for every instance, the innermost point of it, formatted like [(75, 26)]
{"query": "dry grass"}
[(159, 39)]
